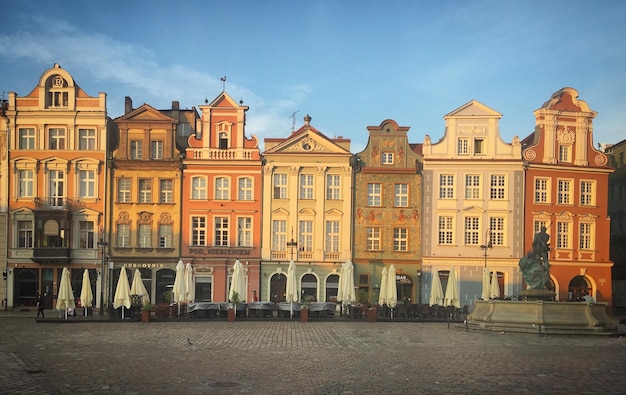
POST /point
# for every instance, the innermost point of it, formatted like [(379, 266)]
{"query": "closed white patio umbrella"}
[(291, 292), (189, 285), (452, 291), (138, 288), (495, 286), (122, 292), (237, 283), (345, 289), (179, 291), (65, 296), (86, 295), (436, 291), (382, 296), (486, 289)]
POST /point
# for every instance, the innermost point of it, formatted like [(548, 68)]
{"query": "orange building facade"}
[(566, 183)]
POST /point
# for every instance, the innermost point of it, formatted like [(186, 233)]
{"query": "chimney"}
[(175, 105), (128, 105)]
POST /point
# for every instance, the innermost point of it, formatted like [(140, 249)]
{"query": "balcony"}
[(222, 154), (57, 203), (52, 255)]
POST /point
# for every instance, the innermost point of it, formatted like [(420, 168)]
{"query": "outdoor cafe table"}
[(204, 309), (260, 309), (322, 309), (285, 308)]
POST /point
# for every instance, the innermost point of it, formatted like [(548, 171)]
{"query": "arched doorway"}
[(309, 286), (578, 287), (332, 287), (26, 285), (278, 287), (164, 277)]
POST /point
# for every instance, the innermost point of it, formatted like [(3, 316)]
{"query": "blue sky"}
[(349, 64)]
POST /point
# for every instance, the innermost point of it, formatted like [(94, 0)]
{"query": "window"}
[(244, 232), (87, 139), (221, 231), (562, 235), (565, 191), (537, 226), (279, 232), (374, 195), (479, 146), (387, 158), (145, 190), (305, 242), (56, 139), (123, 235), (332, 236), (86, 234), (87, 183), (136, 151), (586, 193), (463, 146), (27, 138), (401, 195), (564, 153), (198, 188), (400, 239), (471, 230), (542, 190), (56, 185), (446, 186), (223, 140), (306, 186), (373, 239), (497, 187), (245, 189), (332, 187), (222, 188), (25, 234), (445, 230), (496, 230), (165, 236), (145, 236), (585, 242), (26, 183), (472, 186), (123, 190), (157, 150), (166, 191), (280, 186), (198, 231)]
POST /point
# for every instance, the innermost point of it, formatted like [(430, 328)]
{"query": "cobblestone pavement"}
[(278, 357)]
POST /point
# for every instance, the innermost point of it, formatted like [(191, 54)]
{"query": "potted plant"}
[(304, 309), (232, 311), (146, 311)]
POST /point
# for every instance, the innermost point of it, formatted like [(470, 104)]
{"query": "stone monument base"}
[(538, 294), (538, 316)]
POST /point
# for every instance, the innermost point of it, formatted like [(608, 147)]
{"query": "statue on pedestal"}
[(535, 265)]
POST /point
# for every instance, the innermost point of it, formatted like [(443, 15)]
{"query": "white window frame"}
[(244, 231), (144, 232), (333, 186), (25, 234), (387, 158), (374, 194), (463, 146), (563, 235), (565, 192), (332, 236), (373, 238), (166, 234), (306, 186), (123, 235), (198, 230), (586, 230), (221, 234), (565, 153), (144, 190), (587, 193), (27, 138), (305, 235), (136, 149), (542, 190), (124, 185), (57, 139), (401, 195), (496, 230), (166, 191), (497, 187), (87, 139), (199, 188), (445, 230), (401, 239), (446, 186), (280, 186), (472, 231), (222, 188), (472, 186), (156, 149), (279, 235), (245, 190), (87, 183), (86, 234), (26, 183)]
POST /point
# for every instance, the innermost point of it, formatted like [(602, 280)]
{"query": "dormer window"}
[(58, 95), (223, 140), (223, 135), (479, 147), (387, 158), (564, 153)]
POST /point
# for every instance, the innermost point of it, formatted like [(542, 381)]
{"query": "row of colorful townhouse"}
[(154, 187)]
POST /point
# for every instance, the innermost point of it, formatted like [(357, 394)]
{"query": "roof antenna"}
[(293, 119), (223, 79)]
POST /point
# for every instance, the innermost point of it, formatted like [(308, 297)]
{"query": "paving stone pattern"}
[(270, 357)]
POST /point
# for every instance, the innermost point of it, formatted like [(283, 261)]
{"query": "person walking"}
[(40, 306)]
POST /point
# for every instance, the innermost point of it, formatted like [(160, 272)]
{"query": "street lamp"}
[(292, 244), (486, 247), (103, 244)]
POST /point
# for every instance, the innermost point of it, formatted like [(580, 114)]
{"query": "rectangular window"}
[(565, 192), (123, 235), (157, 150), (374, 195), (306, 186), (136, 151), (222, 188), (27, 138), (221, 231), (305, 242), (387, 158), (332, 187), (165, 236), (145, 236), (373, 239), (497, 190), (562, 234), (87, 139), (26, 183), (25, 234), (479, 146), (244, 232), (446, 236), (86, 234), (198, 188), (279, 232), (537, 226), (496, 230), (472, 230), (542, 190), (472, 186), (280, 186), (585, 236), (446, 186), (586, 193), (166, 191), (401, 195), (145, 190), (332, 236), (245, 189), (463, 146), (87, 183), (56, 140), (198, 231), (400, 239), (123, 190), (564, 153)]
